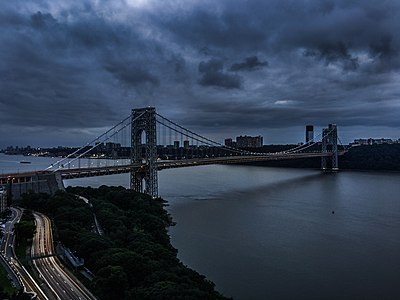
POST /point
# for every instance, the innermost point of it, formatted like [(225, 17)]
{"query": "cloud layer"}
[(220, 67)]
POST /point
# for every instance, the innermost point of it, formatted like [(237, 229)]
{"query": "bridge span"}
[(144, 162), (50, 181), (70, 173)]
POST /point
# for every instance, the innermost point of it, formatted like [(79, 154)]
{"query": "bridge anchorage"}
[(146, 142)]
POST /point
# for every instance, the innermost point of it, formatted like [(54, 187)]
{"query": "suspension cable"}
[(174, 127), (60, 166), (232, 149)]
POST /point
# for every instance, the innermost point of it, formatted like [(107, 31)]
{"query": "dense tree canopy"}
[(383, 157), (134, 258)]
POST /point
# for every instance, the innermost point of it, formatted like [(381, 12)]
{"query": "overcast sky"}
[(70, 69)]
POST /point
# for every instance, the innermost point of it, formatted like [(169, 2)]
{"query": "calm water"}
[(268, 233)]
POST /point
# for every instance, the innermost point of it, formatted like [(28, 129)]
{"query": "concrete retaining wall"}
[(39, 183)]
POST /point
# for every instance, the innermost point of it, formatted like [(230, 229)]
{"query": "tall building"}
[(229, 142), (249, 141), (3, 199), (309, 133), (176, 144), (186, 144)]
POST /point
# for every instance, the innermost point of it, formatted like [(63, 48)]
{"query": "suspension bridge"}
[(150, 142)]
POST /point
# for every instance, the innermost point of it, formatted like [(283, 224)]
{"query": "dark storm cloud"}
[(205, 26), (39, 20), (336, 54), (57, 73), (98, 34), (84, 64), (264, 117), (250, 64), (213, 75), (41, 89), (131, 75), (282, 25), (384, 48)]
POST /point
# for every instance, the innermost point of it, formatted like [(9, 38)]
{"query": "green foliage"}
[(134, 258), (383, 157), (373, 157), (112, 282), (6, 289), (24, 231)]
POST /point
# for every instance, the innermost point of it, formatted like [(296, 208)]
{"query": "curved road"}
[(63, 284), (9, 258)]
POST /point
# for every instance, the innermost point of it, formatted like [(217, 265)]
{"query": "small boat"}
[(24, 162)]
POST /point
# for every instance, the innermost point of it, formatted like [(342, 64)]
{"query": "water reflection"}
[(267, 233)]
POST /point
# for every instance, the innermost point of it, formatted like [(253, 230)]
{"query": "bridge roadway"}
[(171, 164), (71, 173)]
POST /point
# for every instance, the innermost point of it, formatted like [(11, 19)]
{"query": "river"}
[(276, 233)]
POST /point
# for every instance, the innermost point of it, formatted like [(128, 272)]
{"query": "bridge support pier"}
[(329, 144), (144, 151)]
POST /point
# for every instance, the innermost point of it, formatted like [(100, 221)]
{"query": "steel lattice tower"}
[(145, 179), (329, 137)]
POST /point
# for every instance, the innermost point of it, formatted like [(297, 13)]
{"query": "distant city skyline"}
[(227, 142), (71, 69)]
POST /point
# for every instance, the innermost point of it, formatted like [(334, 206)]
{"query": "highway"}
[(62, 283), (7, 243), (13, 266)]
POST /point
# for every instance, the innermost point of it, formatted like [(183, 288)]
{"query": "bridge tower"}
[(329, 138), (144, 151)]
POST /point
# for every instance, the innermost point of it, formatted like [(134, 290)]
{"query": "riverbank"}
[(383, 157), (244, 227), (134, 253)]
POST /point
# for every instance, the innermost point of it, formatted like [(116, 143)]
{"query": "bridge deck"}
[(161, 165)]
